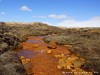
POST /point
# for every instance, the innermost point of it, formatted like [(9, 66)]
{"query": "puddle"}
[(28, 53), (37, 41)]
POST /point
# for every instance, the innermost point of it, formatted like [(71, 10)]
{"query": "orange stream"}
[(40, 62)]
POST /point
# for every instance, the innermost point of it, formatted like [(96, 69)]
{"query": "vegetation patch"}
[(84, 44)]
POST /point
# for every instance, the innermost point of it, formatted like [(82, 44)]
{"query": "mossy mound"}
[(85, 45)]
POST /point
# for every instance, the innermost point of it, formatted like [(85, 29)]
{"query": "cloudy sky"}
[(66, 13)]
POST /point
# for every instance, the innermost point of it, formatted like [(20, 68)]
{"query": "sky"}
[(63, 13)]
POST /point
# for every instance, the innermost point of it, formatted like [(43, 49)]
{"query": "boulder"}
[(52, 45)]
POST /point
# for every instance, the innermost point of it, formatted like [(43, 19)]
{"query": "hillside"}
[(84, 43)]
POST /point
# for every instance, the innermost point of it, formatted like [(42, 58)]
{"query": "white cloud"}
[(25, 8), (39, 16), (67, 21), (92, 22), (55, 16), (2, 13)]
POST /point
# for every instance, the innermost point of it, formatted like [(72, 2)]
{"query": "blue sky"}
[(67, 13)]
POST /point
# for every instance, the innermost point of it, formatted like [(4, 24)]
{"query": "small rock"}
[(28, 60), (60, 56), (63, 72), (52, 45), (22, 57), (24, 61), (49, 51), (59, 67), (36, 45)]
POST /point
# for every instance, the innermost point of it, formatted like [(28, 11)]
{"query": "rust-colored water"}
[(40, 62)]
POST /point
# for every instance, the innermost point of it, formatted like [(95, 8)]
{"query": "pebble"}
[(63, 72), (36, 45), (59, 67), (22, 57), (49, 51)]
